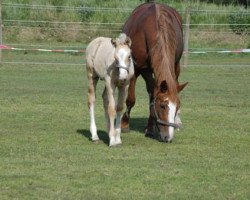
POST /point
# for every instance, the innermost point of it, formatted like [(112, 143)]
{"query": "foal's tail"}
[(164, 50)]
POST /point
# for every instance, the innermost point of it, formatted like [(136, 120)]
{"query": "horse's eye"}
[(162, 106)]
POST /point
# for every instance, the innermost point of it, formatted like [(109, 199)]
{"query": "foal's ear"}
[(163, 87), (128, 41), (180, 87), (114, 42)]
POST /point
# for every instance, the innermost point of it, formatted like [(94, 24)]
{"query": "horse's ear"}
[(180, 87), (128, 41), (163, 87), (113, 42)]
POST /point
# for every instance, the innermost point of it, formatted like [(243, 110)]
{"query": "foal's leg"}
[(91, 104), (110, 89), (122, 92), (105, 105), (130, 102)]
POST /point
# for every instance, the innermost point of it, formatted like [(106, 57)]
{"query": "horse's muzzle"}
[(166, 139)]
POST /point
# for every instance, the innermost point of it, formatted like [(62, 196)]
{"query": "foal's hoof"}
[(115, 141), (95, 139), (115, 145)]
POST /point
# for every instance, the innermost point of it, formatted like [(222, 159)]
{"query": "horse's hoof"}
[(125, 130), (149, 134)]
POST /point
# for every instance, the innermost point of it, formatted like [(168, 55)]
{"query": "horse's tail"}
[(164, 50)]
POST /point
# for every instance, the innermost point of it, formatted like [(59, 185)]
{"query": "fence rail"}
[(102, 23)]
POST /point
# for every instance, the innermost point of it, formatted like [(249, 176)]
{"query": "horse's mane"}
[(163, 52)]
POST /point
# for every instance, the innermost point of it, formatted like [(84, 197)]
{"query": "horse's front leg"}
[(110, 110), (122, 93), (149, 80), (130, 102), (177, 73)]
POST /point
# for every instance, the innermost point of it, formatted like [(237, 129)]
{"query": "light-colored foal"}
[(109, 60)]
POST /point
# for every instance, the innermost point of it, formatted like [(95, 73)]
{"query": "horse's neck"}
[(105, 54)]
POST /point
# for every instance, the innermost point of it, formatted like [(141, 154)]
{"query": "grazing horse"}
[(110, 60), (157, 46)]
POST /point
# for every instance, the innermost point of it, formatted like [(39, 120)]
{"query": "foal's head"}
[(123, 57), (165, 107)]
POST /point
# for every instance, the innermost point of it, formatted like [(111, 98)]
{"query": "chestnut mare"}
[(157, 46)]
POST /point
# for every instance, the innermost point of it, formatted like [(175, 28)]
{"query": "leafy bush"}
[(84, 13), (239, 22)]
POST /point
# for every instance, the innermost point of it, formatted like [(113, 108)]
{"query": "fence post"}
[(186, 36), (1, 32)]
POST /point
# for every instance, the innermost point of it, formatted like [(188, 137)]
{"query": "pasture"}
[(46, 151)]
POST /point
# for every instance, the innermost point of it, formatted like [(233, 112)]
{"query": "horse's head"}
[(165, 107), (123, 57)]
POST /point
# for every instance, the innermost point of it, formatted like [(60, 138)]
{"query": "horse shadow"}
[(103, 136), (136, 125)]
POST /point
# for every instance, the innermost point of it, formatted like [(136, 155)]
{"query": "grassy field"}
[(46, 152)]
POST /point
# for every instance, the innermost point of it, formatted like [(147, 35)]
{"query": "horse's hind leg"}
[(91, 103), (130, 102)]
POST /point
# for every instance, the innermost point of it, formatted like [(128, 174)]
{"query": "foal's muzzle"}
[(122, 67)]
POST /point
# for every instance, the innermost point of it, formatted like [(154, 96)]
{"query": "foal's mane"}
[(163, 52)]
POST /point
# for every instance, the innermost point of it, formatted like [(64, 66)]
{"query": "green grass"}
[(46, 152)]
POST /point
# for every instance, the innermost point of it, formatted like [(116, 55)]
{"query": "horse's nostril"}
[(166, 139)]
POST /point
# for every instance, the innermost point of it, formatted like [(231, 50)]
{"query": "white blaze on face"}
[(171, 117), (122, 58)]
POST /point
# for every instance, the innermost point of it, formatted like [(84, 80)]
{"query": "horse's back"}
[(138, 27), (142, 27), (99, 54)]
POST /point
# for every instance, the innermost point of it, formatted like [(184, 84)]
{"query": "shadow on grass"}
[(136, 124), (103, 136)]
